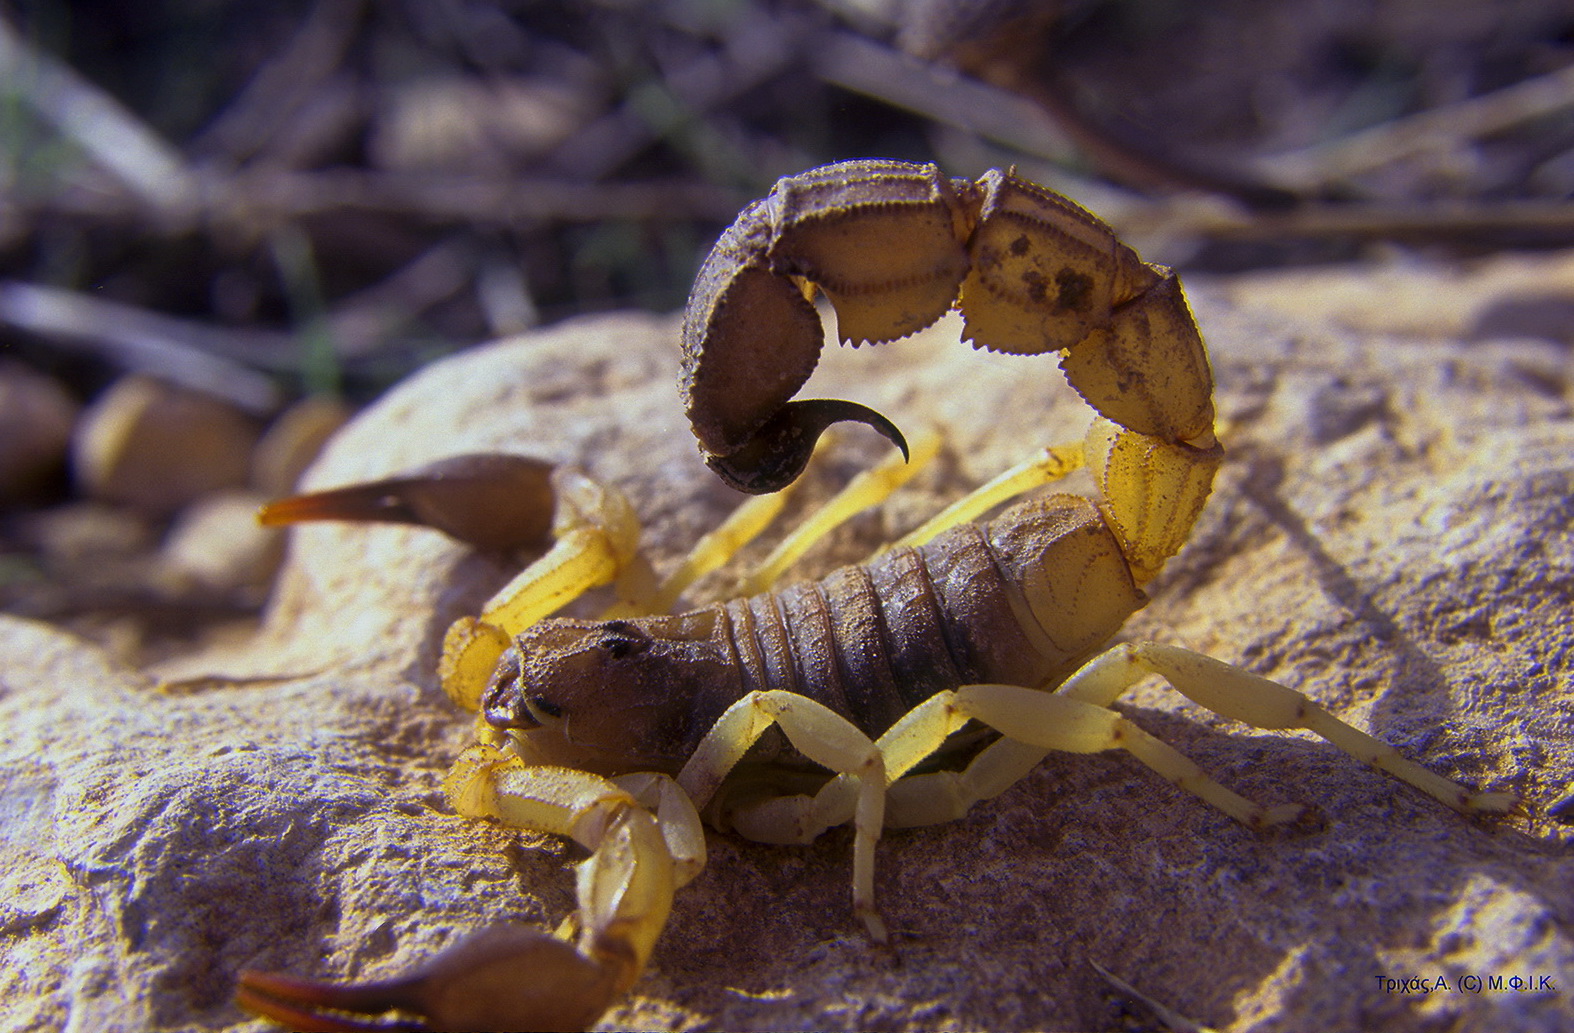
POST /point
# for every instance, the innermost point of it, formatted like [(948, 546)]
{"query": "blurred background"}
[(224, 225)]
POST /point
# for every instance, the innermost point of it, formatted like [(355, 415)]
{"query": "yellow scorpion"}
[(903, 691)]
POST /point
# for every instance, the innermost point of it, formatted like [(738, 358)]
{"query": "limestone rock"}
[(1390, 535), (287, 448), (217, 544), (155, 447), (36, 416)]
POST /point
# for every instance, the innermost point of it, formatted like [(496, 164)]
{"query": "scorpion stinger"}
[(779, 450)]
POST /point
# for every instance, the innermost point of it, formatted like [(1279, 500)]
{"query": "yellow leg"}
[(1234, 693), (751, 517), (597, 543), (1038, 722), (826, 738), (1075, 719), (1043, 467), (867, 489), (710, 552), (936, 797)]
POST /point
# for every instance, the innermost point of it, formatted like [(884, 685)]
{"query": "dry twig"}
[(1451, 127), (183, 352), (118, 141)]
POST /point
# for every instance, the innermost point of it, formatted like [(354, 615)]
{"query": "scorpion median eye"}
[(542, 705), (620, 639), (618, 647)]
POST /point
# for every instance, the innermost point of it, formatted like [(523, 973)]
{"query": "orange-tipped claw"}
[(312, 1007), (511, 978), (489, 500)]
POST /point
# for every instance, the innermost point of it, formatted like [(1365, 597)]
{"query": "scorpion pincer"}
[(620, 732)]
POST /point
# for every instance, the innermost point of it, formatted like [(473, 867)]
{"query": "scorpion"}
[(892, 694)]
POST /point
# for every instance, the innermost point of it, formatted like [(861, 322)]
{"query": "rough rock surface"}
[(1390, 535)]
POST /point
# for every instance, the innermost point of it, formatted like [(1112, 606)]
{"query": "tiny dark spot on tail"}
[(1035, 285), (1076, 290)]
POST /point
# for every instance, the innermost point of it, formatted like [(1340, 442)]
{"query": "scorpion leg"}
[(1043, 467), (751, 517), (826, 738), (868, 488), (1234, 693), (1076, 719), (935, 797), (1038, 722), (597, 543), (712, 551), (524, 979)]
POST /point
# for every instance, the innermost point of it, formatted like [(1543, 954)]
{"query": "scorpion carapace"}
[(896, 693)]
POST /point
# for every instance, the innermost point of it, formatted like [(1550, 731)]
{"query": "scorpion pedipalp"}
[(502, 978), (645, 840), (493, 501)]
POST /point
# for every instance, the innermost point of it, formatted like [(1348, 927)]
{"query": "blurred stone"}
[(36, 417), (292, 441), (155, 447), (218, 545), (1401, 555), (81, 535), (1504, 295), (467, 125)]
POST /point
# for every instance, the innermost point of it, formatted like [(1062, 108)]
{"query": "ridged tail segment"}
[(1020, 600)]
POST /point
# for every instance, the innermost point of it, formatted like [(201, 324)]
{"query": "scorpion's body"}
[(615, 732), (996, 602)]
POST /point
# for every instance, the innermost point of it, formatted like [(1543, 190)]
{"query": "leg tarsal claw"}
[(509, 978)]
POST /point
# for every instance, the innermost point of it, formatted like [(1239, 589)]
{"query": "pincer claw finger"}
[(489, 500), (511, 978), (313, 1007)]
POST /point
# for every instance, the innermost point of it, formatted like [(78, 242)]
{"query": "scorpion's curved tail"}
[(894, 246)]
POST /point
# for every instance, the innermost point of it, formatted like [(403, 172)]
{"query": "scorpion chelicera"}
[(933, 677)]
